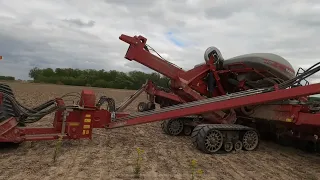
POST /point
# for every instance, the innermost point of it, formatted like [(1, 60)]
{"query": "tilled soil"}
[(112, 154)]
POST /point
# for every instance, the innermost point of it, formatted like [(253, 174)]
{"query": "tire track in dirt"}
[(296, 162)]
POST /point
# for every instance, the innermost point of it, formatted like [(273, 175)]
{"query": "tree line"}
[(96, 78), (7, 78)]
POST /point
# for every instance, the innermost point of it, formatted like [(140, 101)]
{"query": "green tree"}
[(7, 78), (95, 78)]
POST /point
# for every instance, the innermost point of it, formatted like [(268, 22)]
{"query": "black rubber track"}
[(198, 135), (164, 125)]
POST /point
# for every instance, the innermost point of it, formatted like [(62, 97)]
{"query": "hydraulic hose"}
[(210, 84)]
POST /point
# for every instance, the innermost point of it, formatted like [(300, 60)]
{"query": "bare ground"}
[(112, 154)]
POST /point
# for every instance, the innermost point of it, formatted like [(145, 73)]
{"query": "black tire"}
[(142, 106)]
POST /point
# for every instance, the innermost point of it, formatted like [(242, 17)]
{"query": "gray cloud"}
[(83, 35), (80, 23), (225, 9)]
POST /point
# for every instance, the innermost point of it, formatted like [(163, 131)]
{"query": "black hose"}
[(27, 115), (210, 82), (111, 103), (310, 71)]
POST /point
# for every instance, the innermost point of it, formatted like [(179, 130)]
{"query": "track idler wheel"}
[(228, 146), (250, 140), (187, 130), (207, 139), (238, 145), (172, 127)]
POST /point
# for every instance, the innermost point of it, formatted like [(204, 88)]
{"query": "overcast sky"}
[(85, 34)]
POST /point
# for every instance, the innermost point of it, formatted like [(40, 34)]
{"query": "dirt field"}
[(112, 154)]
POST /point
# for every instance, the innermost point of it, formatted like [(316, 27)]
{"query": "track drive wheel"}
[(142, 106), (250, 140), (172, 126), (207, 139)]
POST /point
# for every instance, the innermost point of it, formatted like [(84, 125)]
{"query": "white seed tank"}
[(277, 65), (273, 63)]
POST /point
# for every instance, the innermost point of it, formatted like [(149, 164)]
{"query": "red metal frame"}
[(190, 85), (191, 79), (179, 77), (80, 121), (152, 89)]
